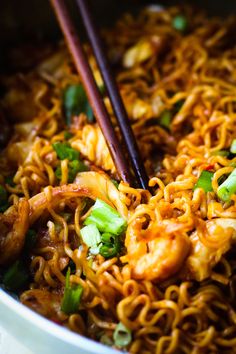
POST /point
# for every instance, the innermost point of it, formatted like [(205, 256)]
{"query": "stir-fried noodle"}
[(171, 281)]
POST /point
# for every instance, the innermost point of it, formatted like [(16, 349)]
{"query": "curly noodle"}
[(173, 283)]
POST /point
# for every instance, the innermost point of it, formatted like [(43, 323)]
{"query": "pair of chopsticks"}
[(94, 96)]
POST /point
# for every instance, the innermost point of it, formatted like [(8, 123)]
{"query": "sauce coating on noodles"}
[(164, 280)]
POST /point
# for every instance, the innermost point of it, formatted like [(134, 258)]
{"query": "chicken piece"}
[(93, 146), (202, 258), (143, 50), (87, 184), (13, 225), (158, 253)]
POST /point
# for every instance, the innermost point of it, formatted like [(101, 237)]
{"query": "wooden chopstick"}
[(113, 92), (96, 101), (91, 89)]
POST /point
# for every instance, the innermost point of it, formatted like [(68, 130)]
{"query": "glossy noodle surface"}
[(157, 274)]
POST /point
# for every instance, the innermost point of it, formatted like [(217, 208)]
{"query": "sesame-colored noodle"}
[(173, 282)]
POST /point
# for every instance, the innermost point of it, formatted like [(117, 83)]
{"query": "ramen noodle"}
[(139, 271)]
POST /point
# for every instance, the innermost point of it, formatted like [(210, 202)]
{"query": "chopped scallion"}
[(65, 151), (15, 277), (115, 183), (108, 250), (75, 102), (122, 335), (95, 250), (233, 147), (228, 187), (72, 296), (110, 245), (204, 181), (107, 237), (165, 119), (67, 135), (90, 235), (102, 89), (106, 218), (180, 23), (74, 167), (223, 153)]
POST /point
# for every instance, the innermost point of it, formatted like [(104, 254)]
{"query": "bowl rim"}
[(51, 328)]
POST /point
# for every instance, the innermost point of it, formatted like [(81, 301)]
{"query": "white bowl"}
[(41, 335)]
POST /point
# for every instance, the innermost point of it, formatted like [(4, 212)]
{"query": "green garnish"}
[(15, 277), (223, 153), (228, 187), (115, 183), (102, 89), (65, 151), (90, 235), (107, 245), (106, 218), (67, 135), (165, 118), (75, 102), (74, 167), (233, 147), (110, 249), (3, 199), (122, 335), (204, 181), (180, 23), (30, 240), (72, 296)]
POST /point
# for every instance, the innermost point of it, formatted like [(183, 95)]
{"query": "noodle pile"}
[(173, 282)]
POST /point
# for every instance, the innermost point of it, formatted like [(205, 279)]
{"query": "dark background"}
[(27, 19)]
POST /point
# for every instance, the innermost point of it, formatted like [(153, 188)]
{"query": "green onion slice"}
[(223, 153), (228, 187), (122, 335), (204, 181), (165, 118), (65, 151), (75, 101), (90, 235), (72, 296), (108, 250), (111, 245), (67, 135), (233, 147), (74, 167), (116, 184), (180, 23), (106, 218), (16, 276)]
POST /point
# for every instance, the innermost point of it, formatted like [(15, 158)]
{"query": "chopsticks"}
[(94, 96)]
